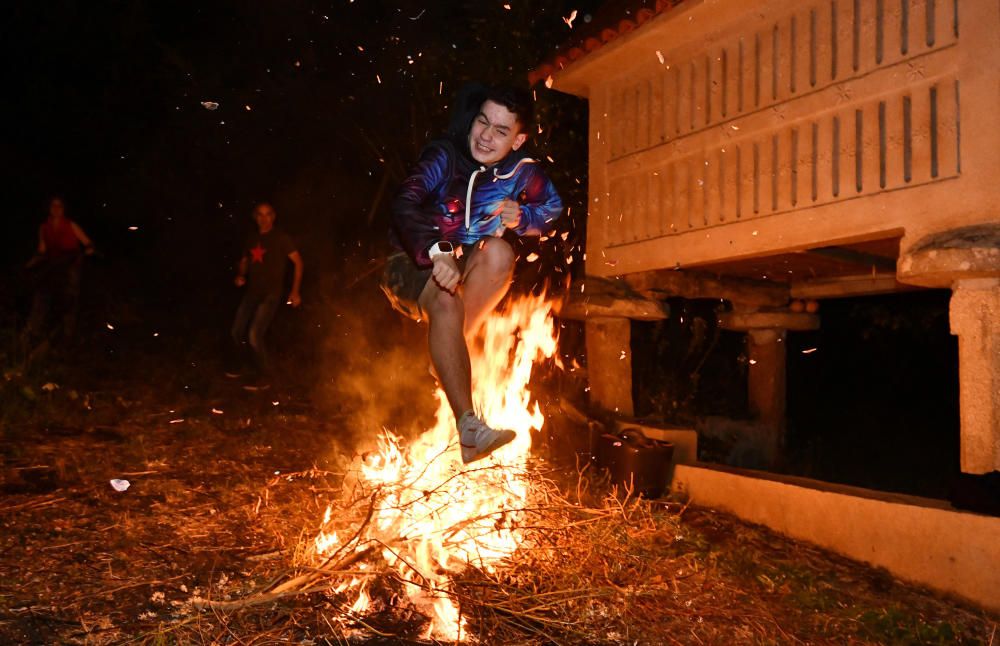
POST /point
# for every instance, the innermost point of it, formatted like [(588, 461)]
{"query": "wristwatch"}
[(440, 248)]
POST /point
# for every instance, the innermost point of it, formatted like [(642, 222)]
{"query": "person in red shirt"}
[(261, 272), (62, 244)]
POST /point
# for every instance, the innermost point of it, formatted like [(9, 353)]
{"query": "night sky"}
[(318, 104)]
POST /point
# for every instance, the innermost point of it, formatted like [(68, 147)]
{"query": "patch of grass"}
[(897, 625)]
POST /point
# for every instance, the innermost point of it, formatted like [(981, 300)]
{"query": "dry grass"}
[(208, 516)]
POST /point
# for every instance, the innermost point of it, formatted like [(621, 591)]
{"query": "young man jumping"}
[(448, 220)]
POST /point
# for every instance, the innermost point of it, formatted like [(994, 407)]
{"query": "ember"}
[(432, 518)]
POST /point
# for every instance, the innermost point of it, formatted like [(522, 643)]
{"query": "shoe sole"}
[(501, 440)]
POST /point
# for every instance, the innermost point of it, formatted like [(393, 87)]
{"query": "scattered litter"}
[(569, 20), (49, 387), (216, 411), (120, 485), (210, 105)]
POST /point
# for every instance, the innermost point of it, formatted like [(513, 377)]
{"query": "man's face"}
[(57, 209), (264, 215), (494, 133)]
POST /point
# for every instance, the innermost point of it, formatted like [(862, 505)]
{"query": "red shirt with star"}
[(267, 261)]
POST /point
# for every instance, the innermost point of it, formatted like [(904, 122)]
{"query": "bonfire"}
[(431, 517), (414, 516)]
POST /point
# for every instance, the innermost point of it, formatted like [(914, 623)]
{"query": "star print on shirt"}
[(257, 253)]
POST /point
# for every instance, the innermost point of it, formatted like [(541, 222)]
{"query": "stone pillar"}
[(968, 261), (766, 331), (766, 379), (975, 320), (609, 364)]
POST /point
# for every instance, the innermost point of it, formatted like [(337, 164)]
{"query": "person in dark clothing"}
[(449, 219), (261, 272), (58, 261)]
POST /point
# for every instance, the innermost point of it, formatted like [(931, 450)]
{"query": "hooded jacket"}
[(451, 197)]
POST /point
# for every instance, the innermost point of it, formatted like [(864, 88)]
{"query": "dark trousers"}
[(253, 316), (58, 283)]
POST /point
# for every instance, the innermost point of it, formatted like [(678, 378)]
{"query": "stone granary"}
[(847, 147)]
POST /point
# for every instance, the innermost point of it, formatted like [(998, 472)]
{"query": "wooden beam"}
[(846, 286), (596, 297), (691, 284), (780, 320), (852, 257), (603, 306)]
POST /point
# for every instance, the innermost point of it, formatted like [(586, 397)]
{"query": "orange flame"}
[(433, 515)]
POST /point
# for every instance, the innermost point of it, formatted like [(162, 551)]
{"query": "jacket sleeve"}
[(540, 203), (413, 217)]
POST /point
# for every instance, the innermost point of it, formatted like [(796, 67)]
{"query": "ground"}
[(225, 486)]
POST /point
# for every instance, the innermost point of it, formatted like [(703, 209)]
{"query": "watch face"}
[(446, 247)]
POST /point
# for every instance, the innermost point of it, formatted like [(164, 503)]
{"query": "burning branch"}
[(463, 544)]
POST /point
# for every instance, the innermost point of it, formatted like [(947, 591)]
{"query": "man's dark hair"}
[(519, 101)]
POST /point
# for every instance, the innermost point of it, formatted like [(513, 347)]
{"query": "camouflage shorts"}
[(403, 282)]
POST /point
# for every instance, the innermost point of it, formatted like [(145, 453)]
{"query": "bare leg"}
[(453, 319), (449, 354), (486, 280)]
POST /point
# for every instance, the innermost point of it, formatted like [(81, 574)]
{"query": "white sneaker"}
[(479, 440)]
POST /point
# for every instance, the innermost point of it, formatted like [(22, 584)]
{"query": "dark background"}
[(321, 108), (319, 104)]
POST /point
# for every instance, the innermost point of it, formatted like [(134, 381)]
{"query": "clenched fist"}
[(445, 273), (510, 213)]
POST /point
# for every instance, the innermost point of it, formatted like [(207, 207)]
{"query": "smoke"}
[(373, 368)]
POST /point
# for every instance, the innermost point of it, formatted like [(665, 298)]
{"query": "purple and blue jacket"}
[(451, 197)]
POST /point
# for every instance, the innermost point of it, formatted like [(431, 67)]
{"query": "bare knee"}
[(496, 256), (439, 304)]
